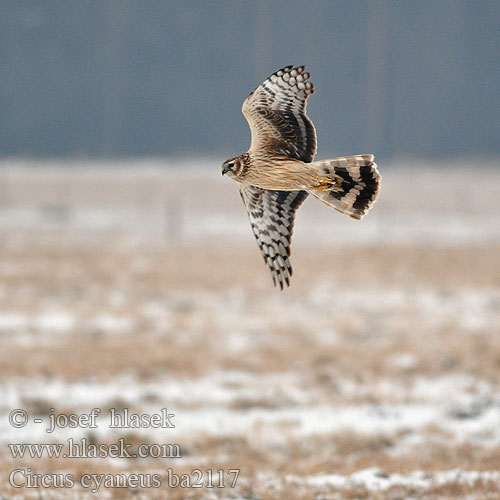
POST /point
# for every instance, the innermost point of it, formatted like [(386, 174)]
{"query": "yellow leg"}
[(325, 184)]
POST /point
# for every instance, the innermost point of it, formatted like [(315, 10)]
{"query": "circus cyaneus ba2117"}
[(277, 173)]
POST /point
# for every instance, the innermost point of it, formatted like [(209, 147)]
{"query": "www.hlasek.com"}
[(83, 449)]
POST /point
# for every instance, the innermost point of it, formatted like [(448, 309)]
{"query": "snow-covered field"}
[(375, 376)]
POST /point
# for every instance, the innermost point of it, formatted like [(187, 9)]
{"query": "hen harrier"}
[(277, 173)]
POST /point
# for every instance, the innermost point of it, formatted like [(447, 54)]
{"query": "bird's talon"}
[(325, 184)]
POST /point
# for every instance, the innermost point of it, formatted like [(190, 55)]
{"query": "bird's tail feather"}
[(349, 184)]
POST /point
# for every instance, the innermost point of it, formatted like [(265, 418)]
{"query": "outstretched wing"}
[(276, 114), (272, 214)]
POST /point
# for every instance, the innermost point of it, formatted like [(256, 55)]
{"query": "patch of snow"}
[(404, 360), (108, 323), (13, 321), (374, 479), (267, 406), (55, 322)]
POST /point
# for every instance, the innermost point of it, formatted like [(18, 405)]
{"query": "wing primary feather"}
[(272, 215), (276, 114)]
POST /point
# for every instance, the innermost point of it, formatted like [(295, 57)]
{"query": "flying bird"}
[(278, 173)]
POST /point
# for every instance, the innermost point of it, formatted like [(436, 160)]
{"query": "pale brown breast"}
[(280, 173)]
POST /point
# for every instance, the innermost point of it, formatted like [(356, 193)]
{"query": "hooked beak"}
[(224, 169)]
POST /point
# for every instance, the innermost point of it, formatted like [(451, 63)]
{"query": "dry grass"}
[(177, 330), (381, 357)]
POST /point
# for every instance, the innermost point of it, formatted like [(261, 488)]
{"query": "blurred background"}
[(155, 78), (130, 278)]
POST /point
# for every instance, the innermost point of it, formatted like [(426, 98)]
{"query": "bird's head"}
[(232, 167)]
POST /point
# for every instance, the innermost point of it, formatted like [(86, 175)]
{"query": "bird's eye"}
[(230, 165)]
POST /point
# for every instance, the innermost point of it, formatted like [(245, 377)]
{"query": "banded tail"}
[(349, 184)]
